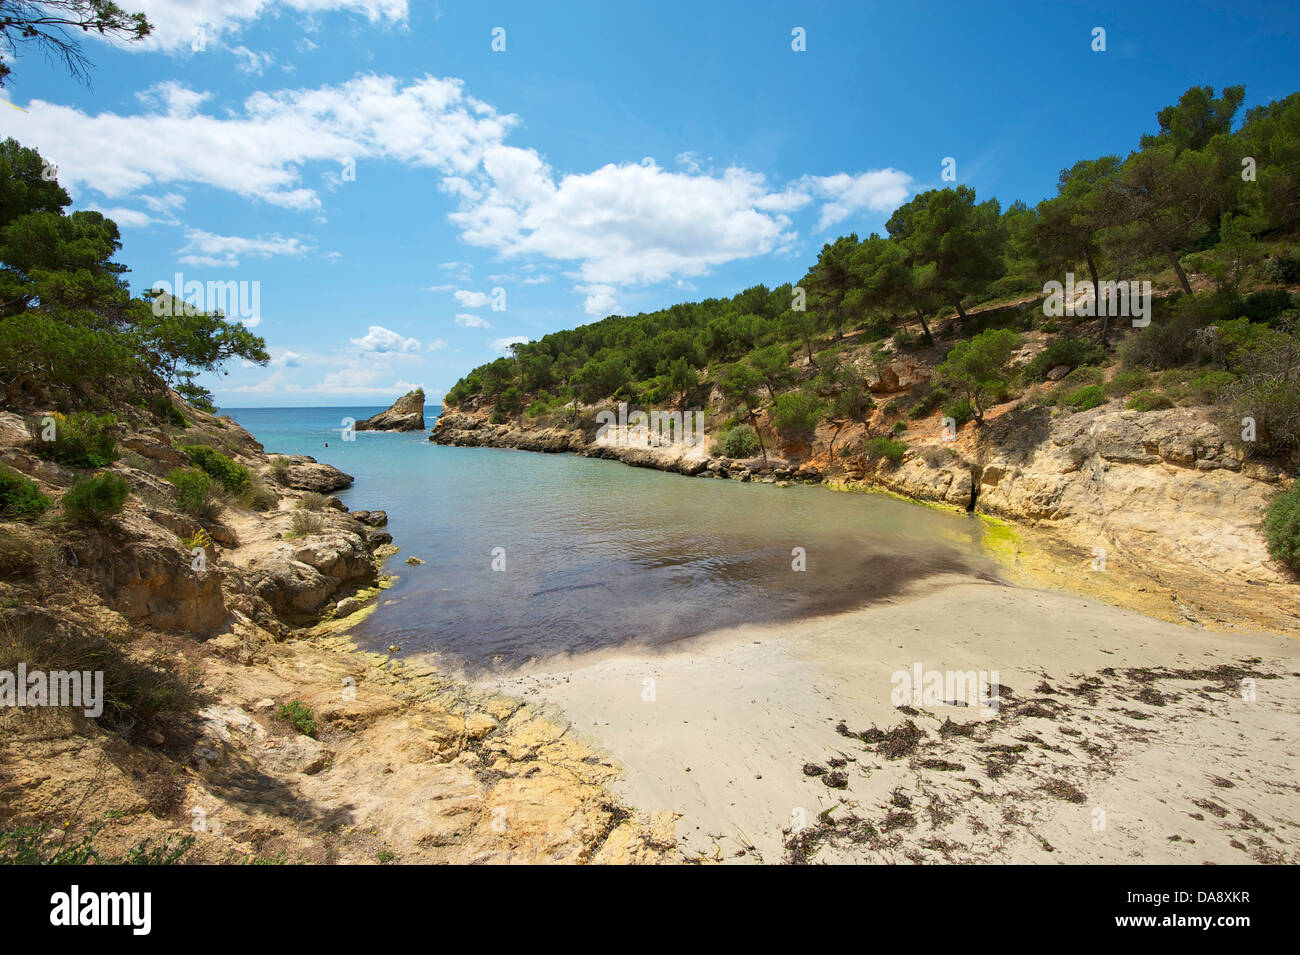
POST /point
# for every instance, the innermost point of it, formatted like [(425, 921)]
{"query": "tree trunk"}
[(925, 327), (961, 312), (759, 434), (1173, 259), (1096, 299)]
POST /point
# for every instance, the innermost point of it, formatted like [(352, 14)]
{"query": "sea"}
[(527, 556)]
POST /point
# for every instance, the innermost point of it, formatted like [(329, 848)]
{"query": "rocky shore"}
[(277, 740)]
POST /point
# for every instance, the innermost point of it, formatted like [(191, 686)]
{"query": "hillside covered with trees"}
[(1206, 213)]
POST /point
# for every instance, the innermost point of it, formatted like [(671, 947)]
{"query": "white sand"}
[(736, 714)]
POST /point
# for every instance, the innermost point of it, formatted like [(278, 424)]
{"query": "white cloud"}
[(471, 321), (250, 61), (385, 341), (503, 344), (438, 344), (878, 190), (175, 22), (600, 299), (287, 359), (206, 248), (471, 299), (260, 152)]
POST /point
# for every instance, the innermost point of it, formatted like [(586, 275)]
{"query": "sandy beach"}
[(1114, 737)]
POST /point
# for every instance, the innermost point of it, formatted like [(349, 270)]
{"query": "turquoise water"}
[(597, 554)]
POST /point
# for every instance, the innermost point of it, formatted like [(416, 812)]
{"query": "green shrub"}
[(888, 448), (1149, 401), (167, 412), (298, 715), (738, 442), (1127, 382), (93, 499), (232, 476), (1205, 387), (931, 399), (194, 491), (1071, 352), (959, 411), (899, 427), (1284, 270), (80, 440), (1266, 304), (1282, 527), (796, 414), (20, 498), (311, 501), (1089, 396)]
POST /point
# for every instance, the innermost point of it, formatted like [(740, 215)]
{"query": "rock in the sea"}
[(305, 473), (406, 414)]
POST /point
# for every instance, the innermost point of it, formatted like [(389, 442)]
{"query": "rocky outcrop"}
[(304, 473), (406, 414)]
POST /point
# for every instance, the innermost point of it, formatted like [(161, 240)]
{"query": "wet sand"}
[(1116, 738)]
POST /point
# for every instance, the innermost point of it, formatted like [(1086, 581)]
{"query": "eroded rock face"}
[(299, 578), (406, 414), (897, 375), (149, 579)]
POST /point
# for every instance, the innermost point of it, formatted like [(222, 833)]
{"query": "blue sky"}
[(612, 158)]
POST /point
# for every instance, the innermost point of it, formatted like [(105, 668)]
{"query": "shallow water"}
[(597, 554)]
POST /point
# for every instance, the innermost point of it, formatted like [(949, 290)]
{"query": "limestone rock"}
[(406, 414)]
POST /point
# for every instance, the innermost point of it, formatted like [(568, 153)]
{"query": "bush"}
[(20, 498), (311, 501), (1071, 352), (1089, 396), (167, 412), (230, 475), (796, 414), (899, 427), (258, 497), (194, 491), (888, 448), (279, 469), (81, 440), (91, 500), (1268, 392), (1284, 270), (305, 524), (1127, 382), (930, 400), (959, 411), (1149, 401), (738, 442), (1282, 527), (298, 715), (1266, 304)]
